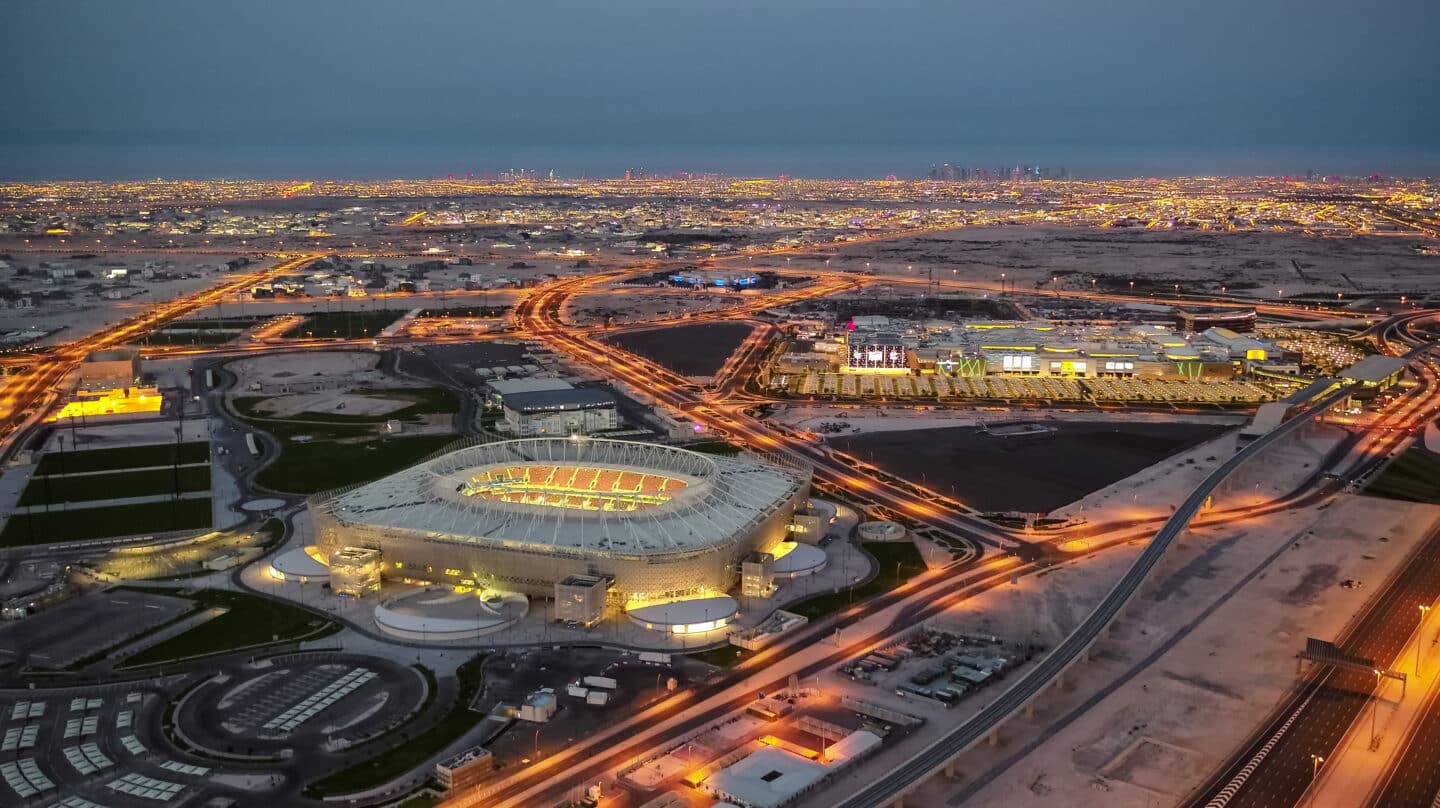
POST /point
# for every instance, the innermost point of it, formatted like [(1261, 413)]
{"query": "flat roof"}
[(553, 400), (803, 557), (687, 612), (1374, 369), (767, 777), (470, 755), (505, 387), (298, 563)]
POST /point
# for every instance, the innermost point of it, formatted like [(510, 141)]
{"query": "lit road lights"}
[(1424, 612)]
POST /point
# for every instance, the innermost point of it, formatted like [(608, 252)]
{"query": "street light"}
[(1424, 612), (1374, 713)]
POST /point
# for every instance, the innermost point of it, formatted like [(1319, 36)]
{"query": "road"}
[(1328, 701), (539, 316), (23, 395), (1275, 766), (1071, 649), (1412, 779)]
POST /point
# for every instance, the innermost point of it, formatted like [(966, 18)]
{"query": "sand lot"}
[(362, 367), (1259, 264)]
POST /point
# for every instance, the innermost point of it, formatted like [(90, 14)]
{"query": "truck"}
[(604, 682)]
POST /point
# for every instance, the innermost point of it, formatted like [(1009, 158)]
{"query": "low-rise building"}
[(581, 411), (464, 770), (355, 571), (757, 575), (580, 599)]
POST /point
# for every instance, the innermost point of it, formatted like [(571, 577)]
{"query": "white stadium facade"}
[(656, 523)]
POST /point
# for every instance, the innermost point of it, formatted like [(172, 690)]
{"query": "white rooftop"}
[(687, 612), (766, 778), (297, 563)]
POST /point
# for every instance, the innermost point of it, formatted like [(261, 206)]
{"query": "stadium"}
[(657, 523)]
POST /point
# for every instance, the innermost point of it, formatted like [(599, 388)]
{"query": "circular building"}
[(541, 516)]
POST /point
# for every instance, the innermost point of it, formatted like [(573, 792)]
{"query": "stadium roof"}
[(606, 496)]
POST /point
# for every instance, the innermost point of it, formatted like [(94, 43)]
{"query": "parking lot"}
[(83, 747), (84, 626), (276, 707)]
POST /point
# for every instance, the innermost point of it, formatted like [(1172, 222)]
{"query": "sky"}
[(101, 89)]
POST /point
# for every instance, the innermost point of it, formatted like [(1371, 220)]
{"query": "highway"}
[(20, 404), (1274, 767), (1412, 780), (1070, 650), (1318, 714), (539, 317)]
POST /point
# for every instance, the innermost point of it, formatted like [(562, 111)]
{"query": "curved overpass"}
[(1071, 650)]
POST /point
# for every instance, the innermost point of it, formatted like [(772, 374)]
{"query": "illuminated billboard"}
[(869, 350)]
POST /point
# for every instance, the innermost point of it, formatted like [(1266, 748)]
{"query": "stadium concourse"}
[(600, 526)]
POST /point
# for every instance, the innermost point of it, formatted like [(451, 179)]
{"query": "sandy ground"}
[(84, 313), (1198, 261), (236, 306), (1184, 711), (631, 305), (1150, 492), (105, 436), (360, 365), (1047, 606)]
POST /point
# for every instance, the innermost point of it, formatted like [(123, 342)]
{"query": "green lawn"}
[(724, 656), (900, 556), (271, 531), (715, 447), (305, 468), (123, 458), (115, 486), (1413, 477), (251, 620), (466, 311), (344, 324), (98, 523), (392, 763)]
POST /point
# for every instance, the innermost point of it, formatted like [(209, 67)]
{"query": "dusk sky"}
[(187, 88)]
